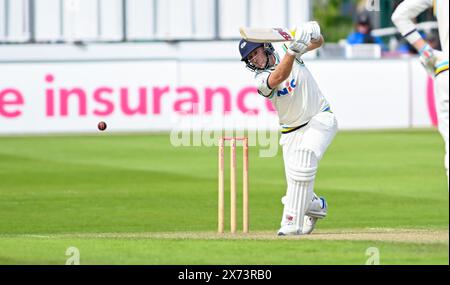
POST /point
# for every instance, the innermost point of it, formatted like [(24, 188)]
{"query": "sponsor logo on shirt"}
[(290, 87)]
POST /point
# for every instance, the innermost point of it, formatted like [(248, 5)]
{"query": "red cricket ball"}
[(102, 126)]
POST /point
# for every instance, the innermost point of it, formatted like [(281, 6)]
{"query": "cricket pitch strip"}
[(434, 236)]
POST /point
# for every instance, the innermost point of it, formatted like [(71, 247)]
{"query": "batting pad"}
[(301, 171)]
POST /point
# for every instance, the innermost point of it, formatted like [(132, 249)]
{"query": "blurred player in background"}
[(308, 125), (436, 62), (363, 32)]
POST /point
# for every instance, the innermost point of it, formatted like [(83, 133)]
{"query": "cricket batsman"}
[(436, 62), (307, 123)]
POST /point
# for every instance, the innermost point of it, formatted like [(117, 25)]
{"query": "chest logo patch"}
[(290, 87)]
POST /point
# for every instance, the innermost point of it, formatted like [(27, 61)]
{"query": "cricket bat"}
[(267, 35)]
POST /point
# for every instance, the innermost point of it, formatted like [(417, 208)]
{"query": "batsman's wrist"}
[(316, 40), (291, 52), (426, 51)]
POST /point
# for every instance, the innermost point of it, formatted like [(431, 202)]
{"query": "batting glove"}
[(441, 64), (314, 30), (297, 48), (434, 61), (303, 35), (300, 45)]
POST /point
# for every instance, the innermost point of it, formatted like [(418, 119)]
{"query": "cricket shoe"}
[(289, 230), (309, 222), (318, 207)]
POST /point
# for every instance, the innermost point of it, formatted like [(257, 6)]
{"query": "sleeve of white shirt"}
[(262, 83), (405, 13)]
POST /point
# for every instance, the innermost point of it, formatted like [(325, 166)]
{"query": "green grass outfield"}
[(136, 199)]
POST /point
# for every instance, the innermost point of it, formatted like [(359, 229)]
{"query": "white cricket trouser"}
[(441, 98), (316, 136), (302, 150)]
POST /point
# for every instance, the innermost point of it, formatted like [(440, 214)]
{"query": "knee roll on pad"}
[(302, 166)]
